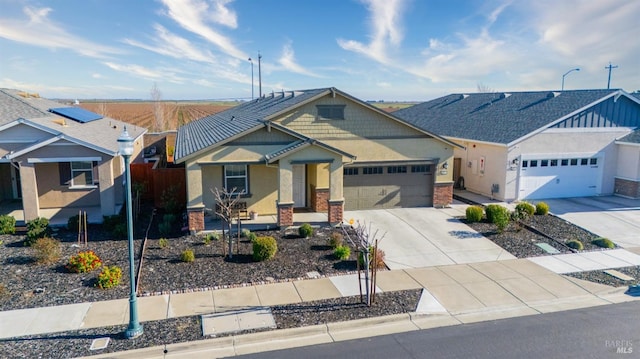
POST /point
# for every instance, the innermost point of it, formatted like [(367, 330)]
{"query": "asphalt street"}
[(609, 331)]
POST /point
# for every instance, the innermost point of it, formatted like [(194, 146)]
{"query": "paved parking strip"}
[(588, 261)]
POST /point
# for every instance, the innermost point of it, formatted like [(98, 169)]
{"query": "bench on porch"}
[(239, 210)]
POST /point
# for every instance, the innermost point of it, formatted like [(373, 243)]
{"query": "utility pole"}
[(610, 67), (251, 61), (259, 76)]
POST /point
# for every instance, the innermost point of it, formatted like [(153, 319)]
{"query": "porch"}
[(268, 222), (56, 216)]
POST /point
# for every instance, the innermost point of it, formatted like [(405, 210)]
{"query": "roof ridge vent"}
[(553, 94), (506, 94), (465, 95)]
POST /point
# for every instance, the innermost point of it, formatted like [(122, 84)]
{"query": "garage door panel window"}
[(350, 171), (593, 161), (421, 169), (372, 171), (235, 176), (397, 169)]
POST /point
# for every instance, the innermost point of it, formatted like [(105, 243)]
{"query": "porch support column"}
[(285, 194), (30, 201), (336, 197), (195, 203), (106, 187)]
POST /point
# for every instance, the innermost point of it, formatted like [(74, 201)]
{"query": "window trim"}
[(335, 112), (247, 191), (373, 170), (90, 171)]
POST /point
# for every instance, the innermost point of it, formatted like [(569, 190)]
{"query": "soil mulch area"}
[(521, 242), (28, 284), (176, 330)]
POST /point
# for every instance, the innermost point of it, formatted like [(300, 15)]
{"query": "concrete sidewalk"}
[(453, 294)]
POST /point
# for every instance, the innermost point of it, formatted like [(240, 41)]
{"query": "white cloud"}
[(169, 44), (194, 16), (163, 74), (386, 29), (53, 91), (39, 30), (288, 61), (97, 76)]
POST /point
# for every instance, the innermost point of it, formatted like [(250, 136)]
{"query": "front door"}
[(15, 182), (299, 194)]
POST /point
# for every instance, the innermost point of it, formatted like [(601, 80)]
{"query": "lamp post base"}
[(132, 333)]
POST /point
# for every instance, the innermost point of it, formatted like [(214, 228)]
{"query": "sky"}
[(392, 50)]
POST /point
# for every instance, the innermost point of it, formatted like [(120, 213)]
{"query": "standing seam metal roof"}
[(496, 117), (207, 131)]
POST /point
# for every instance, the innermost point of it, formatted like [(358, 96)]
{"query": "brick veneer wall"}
[(336, 211), (627, 188), (285, 215), (196, 220), (319, 199), (442, 194)]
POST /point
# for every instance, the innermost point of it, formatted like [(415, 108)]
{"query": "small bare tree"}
[(225, 209), (482, 88), (158, 108), (366, 243), (102, 109)]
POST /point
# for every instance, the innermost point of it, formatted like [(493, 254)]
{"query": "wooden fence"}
[(160, 183)]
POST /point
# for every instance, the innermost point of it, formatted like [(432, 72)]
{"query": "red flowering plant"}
[(84, 262)]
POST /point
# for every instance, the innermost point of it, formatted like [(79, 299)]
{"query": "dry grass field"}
[(141, 113)]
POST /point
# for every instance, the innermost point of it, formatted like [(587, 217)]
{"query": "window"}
[(534, 163), (372, 171), (544, 163), (564, 162), (554, 163), (525, 164), (350, 171), (593, 161), (421, 169), (235, 176), (584, 161), (397, 169), (574, 161), (81, 174), (331, 112)]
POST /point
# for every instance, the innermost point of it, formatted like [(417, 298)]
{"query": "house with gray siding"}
[(539, 144)]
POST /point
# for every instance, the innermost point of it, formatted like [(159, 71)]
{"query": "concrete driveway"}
[(611, 217), (426, 237)]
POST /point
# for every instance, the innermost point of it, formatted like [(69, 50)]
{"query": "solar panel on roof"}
[(76, 113)]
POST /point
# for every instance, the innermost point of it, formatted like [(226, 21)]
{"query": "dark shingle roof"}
[(15, 105), (496, 117), (208, 131), (633, 137)]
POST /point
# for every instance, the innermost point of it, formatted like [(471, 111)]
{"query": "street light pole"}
[(251, 61), (125, 146), (566, 73), (259, 76)]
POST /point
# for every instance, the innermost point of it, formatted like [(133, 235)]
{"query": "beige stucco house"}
[(55, 156), (539, 144), (321, 149)]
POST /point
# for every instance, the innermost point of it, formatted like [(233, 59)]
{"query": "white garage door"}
[(559, 178), (388, 186)]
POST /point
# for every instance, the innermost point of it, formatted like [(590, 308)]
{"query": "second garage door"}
[(373, 187)]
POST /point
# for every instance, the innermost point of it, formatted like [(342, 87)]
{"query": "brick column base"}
[(319, 199), (626, 188), (196, 219), (442, 194), (336, 210), (285, 214)]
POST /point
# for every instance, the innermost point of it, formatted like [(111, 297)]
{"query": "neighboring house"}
[(534, 145), (58, 156), (319, 149)]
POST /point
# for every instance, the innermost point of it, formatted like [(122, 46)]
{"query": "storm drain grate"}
[(237, 321)]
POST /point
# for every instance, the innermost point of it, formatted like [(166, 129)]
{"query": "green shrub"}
[(7, 224), (342, 252), (84, 262), (542, 209), (379, 263), (164, 228), (119, 231), (109, 223), (169, 218), (575, 244), (501, 219), (264, 248), (187, 256), (245, 233), (489, 211), (305, 230), (210, 237), (336, 239), (474, 214), (109, 277), (252, 236), (36, 228), (73, 223), (603, 242), (47, 250), (526, 207), (163, 243)]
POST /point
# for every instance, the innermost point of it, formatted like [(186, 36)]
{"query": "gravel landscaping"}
[(27, 284)]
